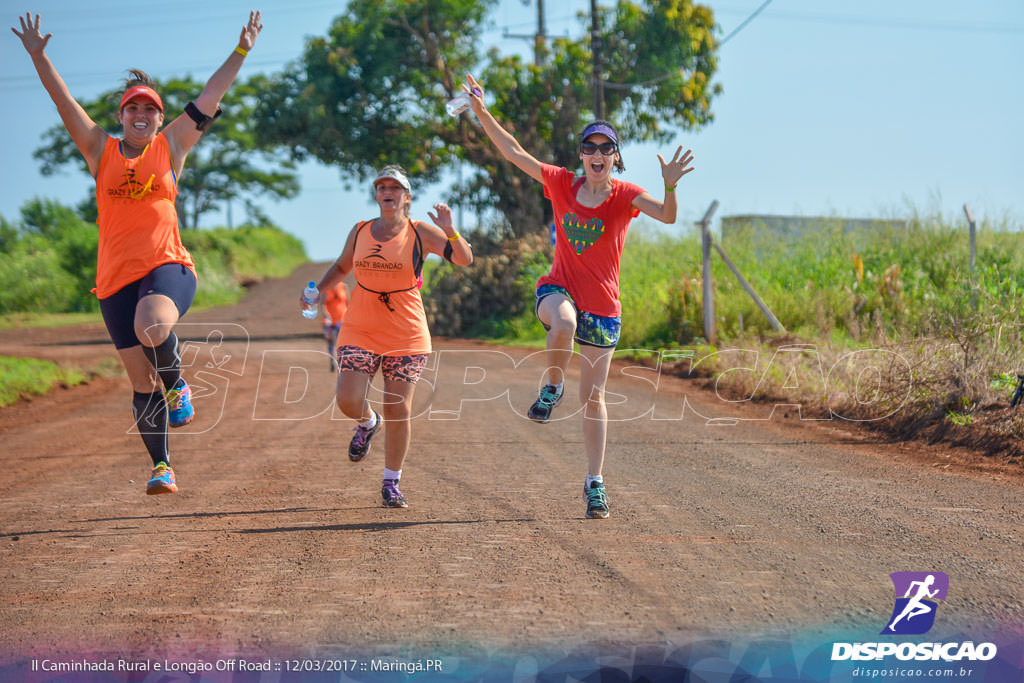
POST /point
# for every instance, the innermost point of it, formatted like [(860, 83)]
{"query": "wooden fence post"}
[(708, 286), (972, 229), (776, 325)]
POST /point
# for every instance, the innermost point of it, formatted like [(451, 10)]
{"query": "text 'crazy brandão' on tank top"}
[(385, 312), (137, 219)]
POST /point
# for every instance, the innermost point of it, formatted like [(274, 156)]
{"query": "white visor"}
[(397, 176)]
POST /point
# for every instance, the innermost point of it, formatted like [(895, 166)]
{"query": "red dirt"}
[(277, 546)]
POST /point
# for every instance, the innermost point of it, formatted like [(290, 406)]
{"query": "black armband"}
[(202, 120), (448, 252)]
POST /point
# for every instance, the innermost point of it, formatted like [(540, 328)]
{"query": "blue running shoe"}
[(162, 481), (179, 404), (597, 500)]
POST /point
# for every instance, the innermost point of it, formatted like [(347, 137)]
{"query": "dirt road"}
[(276, 545)]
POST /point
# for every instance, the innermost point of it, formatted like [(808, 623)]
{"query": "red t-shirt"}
[(589, 241)]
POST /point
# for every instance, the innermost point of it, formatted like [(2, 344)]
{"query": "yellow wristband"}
[(455, 237), (244, 53)]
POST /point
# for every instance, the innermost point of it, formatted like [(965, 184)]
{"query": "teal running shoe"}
[(541, 409), (597, 500)]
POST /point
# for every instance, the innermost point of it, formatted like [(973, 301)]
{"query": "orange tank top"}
[(137, 219), (335, 304), (385, 312)]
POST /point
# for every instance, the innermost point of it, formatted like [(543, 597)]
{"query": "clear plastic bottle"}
[(460, 102), (457, 104), (310, 300)]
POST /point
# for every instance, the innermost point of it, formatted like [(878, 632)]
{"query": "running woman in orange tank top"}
[(385, 325), (145, 278), (334, 304)]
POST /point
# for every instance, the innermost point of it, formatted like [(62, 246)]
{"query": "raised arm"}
[(671, 172), (184, 131), (461, 254), (502, 139), (87, 136)]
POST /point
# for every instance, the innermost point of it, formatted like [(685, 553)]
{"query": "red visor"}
[(142, 91)]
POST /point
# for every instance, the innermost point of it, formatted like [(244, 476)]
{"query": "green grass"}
[(35, 377), (847, 288), (32, 376), (959, 419), (907, 290), (48, 264), (9, 321)]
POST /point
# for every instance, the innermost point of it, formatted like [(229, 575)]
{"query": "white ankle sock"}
[(599, 479), (369, 423), (392, 474)]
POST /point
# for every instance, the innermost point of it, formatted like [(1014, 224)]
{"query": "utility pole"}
[(595, 49), (538, 46), (539, 38)]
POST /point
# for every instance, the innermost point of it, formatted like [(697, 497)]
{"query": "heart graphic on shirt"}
[(582, 234)]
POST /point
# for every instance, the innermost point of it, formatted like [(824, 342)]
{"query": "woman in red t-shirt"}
[(579, 298), (145, 278)]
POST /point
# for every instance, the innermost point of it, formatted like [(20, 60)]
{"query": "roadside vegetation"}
[(25, 377), (48, 267), (886, 325), (49, 263)]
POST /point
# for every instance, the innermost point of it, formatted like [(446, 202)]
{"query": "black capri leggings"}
[(173, 280)]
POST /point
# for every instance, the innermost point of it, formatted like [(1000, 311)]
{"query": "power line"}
[(665, 77), (832, 19), (746, 21), (958, 27)]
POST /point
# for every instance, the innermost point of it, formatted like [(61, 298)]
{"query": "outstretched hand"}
[(673, 170), (443, 219), (31, 37), (476, 93), (250, 31)]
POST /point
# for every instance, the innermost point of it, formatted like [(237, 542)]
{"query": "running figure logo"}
[(917, 598)]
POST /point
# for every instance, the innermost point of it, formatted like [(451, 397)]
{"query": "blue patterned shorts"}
[(591, 329)]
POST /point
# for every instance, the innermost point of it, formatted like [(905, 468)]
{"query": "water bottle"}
[(460, 102), (457, 104), (310, 299)]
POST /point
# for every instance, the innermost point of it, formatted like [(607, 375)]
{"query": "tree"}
[(372, 91), (220, 168)]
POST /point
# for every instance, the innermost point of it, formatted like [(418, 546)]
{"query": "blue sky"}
[(868, 109)]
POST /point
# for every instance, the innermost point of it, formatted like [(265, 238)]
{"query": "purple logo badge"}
[(917, 598)]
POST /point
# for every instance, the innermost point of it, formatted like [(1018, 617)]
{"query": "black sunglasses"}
[(607, 148)]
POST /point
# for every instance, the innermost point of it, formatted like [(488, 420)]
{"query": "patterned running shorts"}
[(591, 329), (393, 368)]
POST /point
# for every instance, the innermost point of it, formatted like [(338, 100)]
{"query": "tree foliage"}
[(372, 91), (221, 167)]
